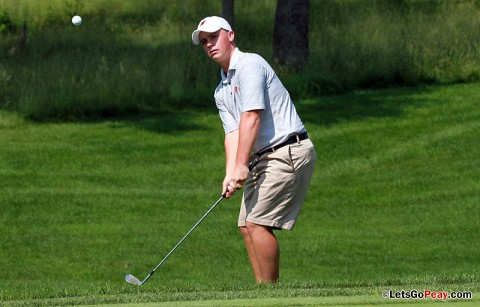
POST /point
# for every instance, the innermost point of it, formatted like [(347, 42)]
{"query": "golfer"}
[(260, 123)]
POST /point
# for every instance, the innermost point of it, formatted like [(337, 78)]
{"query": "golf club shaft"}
[(250, 167), (184, 237)]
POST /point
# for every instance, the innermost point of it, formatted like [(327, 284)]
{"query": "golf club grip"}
[(251, 165)]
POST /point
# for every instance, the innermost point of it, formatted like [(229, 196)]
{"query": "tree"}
[(228, 12), (290, 34)]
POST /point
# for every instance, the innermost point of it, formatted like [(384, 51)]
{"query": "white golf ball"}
[(77, 20)]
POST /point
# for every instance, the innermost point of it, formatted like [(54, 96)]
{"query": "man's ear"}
[(231, 36)]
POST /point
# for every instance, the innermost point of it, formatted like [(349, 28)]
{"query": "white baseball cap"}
[(210, 24)]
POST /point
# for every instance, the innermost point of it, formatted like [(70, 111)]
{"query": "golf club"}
[(135, 281)]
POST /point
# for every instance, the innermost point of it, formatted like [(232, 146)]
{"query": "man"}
[(258, 116)]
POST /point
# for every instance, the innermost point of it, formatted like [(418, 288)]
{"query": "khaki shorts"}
[(274, 192)]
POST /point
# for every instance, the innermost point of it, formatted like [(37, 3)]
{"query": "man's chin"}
[(217, 58)]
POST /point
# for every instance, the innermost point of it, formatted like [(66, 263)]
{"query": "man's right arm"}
[(231, 144)]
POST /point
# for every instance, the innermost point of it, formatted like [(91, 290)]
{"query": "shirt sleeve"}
[(228, 121), (252, 87)]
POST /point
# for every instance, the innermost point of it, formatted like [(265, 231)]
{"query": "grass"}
[(393, 205), (284, 294), (281, 296), (137, 56)]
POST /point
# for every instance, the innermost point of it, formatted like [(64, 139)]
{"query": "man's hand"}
[(236, 180)]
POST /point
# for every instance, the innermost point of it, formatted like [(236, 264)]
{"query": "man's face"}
[(217, 45)]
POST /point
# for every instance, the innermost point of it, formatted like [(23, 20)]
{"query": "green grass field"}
[(393, 205)]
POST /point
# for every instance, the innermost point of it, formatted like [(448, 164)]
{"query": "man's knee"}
[(243, 231)]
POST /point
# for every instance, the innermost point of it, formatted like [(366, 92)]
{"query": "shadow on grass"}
[(362, 104), (166, 123), (323, 110)]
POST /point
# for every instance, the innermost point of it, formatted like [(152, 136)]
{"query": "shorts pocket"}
[(303, 154)]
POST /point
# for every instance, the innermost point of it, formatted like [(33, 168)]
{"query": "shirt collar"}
[(231, 69)]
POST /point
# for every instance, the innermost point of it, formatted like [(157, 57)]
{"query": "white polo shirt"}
[(251, 84)]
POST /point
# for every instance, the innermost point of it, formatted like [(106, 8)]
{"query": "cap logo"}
[(203, 21)]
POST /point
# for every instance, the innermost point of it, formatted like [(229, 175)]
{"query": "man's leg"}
[(265, 251), (251, 254)]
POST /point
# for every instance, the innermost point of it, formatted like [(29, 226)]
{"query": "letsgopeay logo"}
[(426, 294)]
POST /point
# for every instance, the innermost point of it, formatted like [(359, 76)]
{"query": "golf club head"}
[(132, 280)]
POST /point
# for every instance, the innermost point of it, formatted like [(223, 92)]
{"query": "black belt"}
[(291, 140)]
